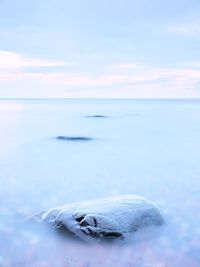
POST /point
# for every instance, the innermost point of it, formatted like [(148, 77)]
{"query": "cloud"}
[(194, 64), (187, 29), (15, 61), (119, 80), (122, 66), (147, 82)]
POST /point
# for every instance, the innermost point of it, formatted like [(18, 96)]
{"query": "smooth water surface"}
[(150, 148)]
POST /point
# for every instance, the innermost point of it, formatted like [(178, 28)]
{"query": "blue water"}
[(145, 147)]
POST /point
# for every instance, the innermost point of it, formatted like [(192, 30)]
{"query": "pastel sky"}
[(100, 48)]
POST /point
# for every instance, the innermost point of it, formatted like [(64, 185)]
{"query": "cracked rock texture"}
[(102, 219)]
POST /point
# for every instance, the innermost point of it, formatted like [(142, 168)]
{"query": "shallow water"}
[(150, 148)]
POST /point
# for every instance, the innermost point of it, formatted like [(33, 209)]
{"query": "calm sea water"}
[(150, 148)]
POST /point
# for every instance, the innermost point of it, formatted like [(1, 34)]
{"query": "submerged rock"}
[(114, 217), (73, 138), (97, 116)]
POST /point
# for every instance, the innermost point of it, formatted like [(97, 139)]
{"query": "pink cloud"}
[(140, 82)]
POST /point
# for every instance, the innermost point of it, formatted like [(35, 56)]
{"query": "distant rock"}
[(102, 219), (97, 116), (73, 138)]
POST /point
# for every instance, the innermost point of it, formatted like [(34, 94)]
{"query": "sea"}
[(106, 147)]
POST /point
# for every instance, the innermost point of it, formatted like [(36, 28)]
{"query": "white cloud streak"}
[(122, 66), (15, 61)]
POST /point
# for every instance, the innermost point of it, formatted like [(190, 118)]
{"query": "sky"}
[(99, 49)]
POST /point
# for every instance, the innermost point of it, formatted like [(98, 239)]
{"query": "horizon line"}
[(101, 98)]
